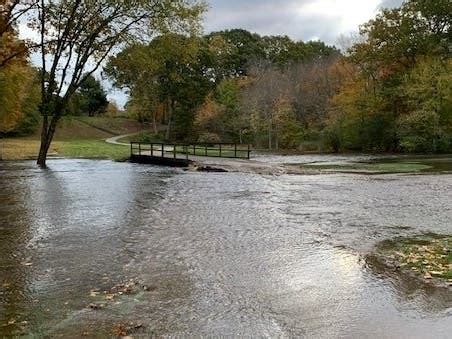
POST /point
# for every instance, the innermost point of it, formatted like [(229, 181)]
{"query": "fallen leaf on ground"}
[(427, 276)]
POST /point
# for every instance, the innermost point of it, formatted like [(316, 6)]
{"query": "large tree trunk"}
[(43, 150)]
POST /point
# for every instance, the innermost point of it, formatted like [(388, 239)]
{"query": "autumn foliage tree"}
[(11, 48), (19, 90), (169, 74), (396, 100)]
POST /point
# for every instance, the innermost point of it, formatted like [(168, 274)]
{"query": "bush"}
[(209, 138), (421, 131), (148, 137), (331, 139)]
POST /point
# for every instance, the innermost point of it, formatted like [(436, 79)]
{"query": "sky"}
[(304, 20)]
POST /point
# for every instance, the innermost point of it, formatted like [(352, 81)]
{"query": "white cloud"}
[(349, 14), (300, 19)]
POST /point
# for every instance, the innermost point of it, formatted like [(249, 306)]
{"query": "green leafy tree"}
[(91, 97), (241, 48), (173, 71), (427, 127), (237, 50)]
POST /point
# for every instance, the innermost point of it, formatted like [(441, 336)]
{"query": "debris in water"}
[(124, 330), (96, 306)]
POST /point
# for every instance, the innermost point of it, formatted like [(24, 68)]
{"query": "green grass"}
[(70, 128), (24, 149), (399, 167), (92, 149), (74, 139), (213, 151), (115, 126)]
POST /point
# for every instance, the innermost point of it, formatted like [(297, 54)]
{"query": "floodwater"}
[(213, 254)]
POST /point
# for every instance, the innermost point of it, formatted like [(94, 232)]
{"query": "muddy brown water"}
[(230, 254)]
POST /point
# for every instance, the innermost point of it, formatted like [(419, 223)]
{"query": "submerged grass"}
[(415, 165), (428, 256)]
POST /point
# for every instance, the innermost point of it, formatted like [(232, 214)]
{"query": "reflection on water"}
[(225, 253)]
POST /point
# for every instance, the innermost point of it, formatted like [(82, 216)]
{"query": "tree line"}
[(201, 88), (389, 91)]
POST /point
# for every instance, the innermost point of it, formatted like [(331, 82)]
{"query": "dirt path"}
[(114, 140)]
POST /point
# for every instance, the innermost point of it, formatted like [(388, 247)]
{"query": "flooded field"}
[(209, 254)]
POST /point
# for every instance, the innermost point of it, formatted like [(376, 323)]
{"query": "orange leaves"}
[(15, 83), (208, 113)]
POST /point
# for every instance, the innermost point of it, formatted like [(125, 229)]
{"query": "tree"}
[(91, 97), (11, 48), (173, 71), (113, 110), (398, 37), (288, 130), (209, 121), (427, 125), (18, 87), (221, 116), (19, 98), (397, 100), (76, 36), (240, 49), (237, 49), (261, 98)]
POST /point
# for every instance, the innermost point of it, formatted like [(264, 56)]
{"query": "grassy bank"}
[(26, 149), (114, 126), (427, 257), (75, 138)]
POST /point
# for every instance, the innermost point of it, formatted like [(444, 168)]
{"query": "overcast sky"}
[(300, 19)]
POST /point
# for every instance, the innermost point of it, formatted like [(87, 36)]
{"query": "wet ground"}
[(273, 164), (234, 254)]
